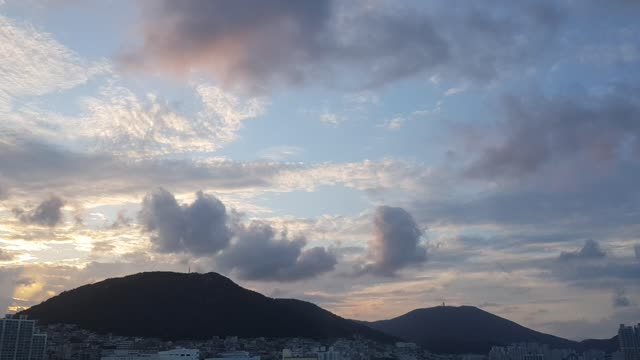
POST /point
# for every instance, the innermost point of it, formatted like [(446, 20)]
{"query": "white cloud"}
[(116, 120), (120, 122), (330, 118), (372, 176), (396, 123), (33, 63), (224, 113), (455, 90), (280, 153), (150, 126)]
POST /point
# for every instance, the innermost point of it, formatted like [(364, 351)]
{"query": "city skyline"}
[(369, 156)]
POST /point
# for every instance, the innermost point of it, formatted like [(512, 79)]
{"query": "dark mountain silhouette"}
[(180, 306), (467, 329), (606, 345), (197, 306)]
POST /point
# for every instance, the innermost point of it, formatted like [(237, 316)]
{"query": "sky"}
[(370, 156)]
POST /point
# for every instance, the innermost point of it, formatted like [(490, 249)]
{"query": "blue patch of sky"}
[(335, 200)]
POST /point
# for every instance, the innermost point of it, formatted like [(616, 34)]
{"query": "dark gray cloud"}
[(47, 213), (396, 242), (258, 252), (590, 250), (591, 267), (570, 202), (602, 274), (542, 130), (599, 329), (198, 228), (588, 267), (237, 40), (252, 43), (25, 164), (637, 251), (620, 298), (205, 228)]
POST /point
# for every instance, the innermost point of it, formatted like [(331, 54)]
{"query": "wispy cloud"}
[(331, 118), (34, 63)]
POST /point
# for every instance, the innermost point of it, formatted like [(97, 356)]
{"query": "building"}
[(175, 354), (235, 355), (179, 354), (289, 354), (20, 339), (121, 354), (629, 338), (329, 354)]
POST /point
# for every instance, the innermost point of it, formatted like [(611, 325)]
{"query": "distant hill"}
[(606, 345), (467, 329), (197, 306), (180, 306)]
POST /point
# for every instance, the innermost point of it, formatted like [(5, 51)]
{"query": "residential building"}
[(20, 339), (629, 338), (175, 354), (235, 355)]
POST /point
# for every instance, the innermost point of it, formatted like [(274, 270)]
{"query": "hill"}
[(467, 329), (606, 345), (191, 306)]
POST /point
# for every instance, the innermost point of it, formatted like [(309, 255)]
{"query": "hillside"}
[(464, 329), (179, 306)]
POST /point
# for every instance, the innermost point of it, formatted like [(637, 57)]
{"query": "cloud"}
[(637, 251), (541, 130), (251, 44), (102, 247), (396, 123), (4, 192), (199, 228), (121, 221), (6, 256), (257, 38), (119, 120), (331, 119), (591, 250), (47, 213), (455, 90), (7, 287), (104, 177), (281, 153), (259, 252), (620, 299), (34, 63), (24, 163), (591, 267), (396, 242), (253, 252)]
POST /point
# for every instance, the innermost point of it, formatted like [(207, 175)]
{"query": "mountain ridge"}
[(173, 305), (468, 329), (179, 306)]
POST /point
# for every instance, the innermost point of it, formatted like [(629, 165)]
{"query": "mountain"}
[(606, 345), (467, 329), (195, 306), (179, 306)]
